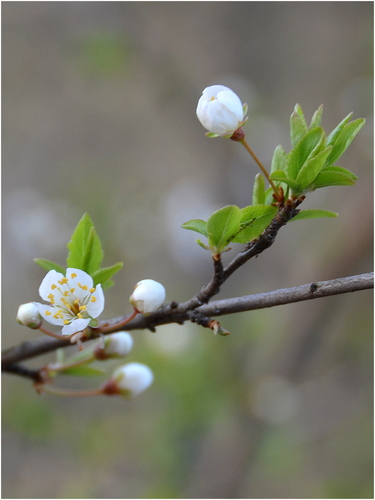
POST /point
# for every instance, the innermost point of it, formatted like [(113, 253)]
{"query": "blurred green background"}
[(98, 110)]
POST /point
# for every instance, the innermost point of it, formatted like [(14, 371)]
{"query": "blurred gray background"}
[(98, 102)]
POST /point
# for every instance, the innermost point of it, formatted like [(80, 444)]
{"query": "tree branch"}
[(174, 313)]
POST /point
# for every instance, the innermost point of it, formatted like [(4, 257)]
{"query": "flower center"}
[(66, 302)]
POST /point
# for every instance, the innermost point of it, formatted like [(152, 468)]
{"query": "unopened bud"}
[(28, 315), (118, 345), (220, 111), (148, 296), (132, 379)]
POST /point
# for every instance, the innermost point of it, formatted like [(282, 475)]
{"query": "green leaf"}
[(344, 139), (222, 226), (308, 147), (103, 275), (334, 176), (341, 170), (255, 219), (336, 131), (49, 266), (259, 191), (317, 118), (280, 176), (201, 244), (313, 214), (198, 225), (312, 167), (279, 159), (85, 250), (254, 211), (298, 126), (82, 371)]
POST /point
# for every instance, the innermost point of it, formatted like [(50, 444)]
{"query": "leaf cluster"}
[(311, 162), (232, 224), (85, 253)]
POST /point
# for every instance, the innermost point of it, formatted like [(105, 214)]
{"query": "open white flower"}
[(220, 111), (74, 301), (148, 296), (132, 379)]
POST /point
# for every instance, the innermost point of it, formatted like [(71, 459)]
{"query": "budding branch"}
[(178, 313)]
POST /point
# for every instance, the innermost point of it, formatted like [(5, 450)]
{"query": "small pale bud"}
[(28, 315), (118, 344), (148, 296), (220, 110), (132, 379)]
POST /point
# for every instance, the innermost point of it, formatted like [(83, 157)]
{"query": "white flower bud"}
[(118, 344), (132, 379), (148, 296), (28, 315), (220, 110)]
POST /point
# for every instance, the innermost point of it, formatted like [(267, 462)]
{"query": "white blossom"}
[(28, 315), (73, 299), (220, 111), (132, 379), (148, 296)]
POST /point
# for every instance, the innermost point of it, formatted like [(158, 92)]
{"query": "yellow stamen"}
[(93, 299), (73, 275)]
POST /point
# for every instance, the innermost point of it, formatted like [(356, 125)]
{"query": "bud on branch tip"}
[(220, 111)]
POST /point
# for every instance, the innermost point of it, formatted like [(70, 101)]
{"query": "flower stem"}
[(260, 165), (55, 367), (64, 392), (116, 326), (51, 334)]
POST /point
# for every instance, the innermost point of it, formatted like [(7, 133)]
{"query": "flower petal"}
[(95, 305), (77, 325), (213, 90), (79, 276), (232, 102), (49, 314), (50, 279)]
